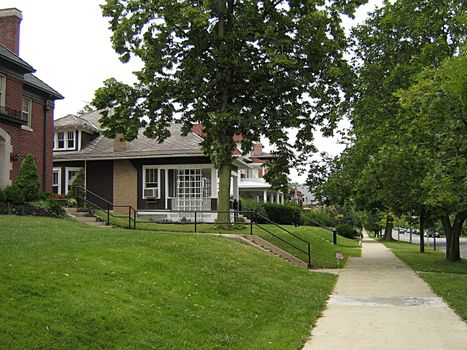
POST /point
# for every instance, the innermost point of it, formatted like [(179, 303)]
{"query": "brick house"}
[(148, 175), (26, 108)]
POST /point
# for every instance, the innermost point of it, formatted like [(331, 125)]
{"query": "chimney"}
[(10, 20), (119, 144), (257, 149)]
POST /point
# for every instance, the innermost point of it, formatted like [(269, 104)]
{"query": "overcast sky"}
[(68, 43)]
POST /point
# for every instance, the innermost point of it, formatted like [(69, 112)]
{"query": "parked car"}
[(432, 234)]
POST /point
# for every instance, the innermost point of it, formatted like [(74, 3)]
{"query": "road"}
[(429, 242)]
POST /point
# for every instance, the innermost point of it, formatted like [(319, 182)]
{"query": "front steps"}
[(257, 242), (86, 216)]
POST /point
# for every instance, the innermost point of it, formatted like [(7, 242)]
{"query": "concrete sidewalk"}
[(380, 303)]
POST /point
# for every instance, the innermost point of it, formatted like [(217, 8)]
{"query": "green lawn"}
[(447, 279), (323, 252), (66, 285)]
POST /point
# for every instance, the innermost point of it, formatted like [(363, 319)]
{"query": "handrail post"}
[(334, 237), (129, 217), (195, 222), (309, 256), (251, 225), (134, 219), (108, 215)]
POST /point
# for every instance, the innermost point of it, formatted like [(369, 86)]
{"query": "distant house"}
[(26, 108), (148, 175)]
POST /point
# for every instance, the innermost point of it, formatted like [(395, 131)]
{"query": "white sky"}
[(68, 43)]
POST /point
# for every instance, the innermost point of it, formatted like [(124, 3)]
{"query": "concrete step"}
[(264, 245)]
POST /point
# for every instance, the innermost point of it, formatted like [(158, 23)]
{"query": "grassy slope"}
[(323, 252), (65, 285), (447, 279)]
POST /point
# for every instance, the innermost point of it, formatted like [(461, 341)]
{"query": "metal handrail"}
[(331, 229), (131, 218)]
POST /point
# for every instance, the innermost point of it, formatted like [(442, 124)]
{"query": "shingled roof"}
[(141, 147)]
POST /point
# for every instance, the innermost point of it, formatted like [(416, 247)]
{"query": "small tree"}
[(28, 180)]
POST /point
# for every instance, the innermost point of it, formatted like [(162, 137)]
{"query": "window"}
[(70, 139), (2, 90), (57, 181), (150, 183), (71, 174), (26, 110)]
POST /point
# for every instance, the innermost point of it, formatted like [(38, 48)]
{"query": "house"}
[(150, 176), (26, 108)]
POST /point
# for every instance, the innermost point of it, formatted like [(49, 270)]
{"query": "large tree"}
[(254, 68), (391, 159)]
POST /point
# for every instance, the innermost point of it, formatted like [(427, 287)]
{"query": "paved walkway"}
[(380, 303)]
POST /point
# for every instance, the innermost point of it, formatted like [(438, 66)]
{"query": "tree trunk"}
[(388, 229), (422, 233), (453, 233), (223, 217)]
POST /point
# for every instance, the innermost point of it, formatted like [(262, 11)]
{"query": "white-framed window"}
[(2, 90), (57, 181), (70, 140), (151, 181), (71, 174), (26, 110), (65, 140)]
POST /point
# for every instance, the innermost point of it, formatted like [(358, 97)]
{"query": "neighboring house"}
[(26, 108), (148, 175)]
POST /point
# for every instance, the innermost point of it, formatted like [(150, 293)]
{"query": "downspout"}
[(44, 156)]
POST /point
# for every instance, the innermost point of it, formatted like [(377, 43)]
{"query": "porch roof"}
[(253, 184)]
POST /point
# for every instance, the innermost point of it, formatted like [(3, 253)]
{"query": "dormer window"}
[(65, 140), (70, 139)]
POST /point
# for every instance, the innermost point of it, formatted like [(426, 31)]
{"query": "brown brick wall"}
[(125, 184)]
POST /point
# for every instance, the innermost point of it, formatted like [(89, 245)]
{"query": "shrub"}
[(28, 180), (14, 194), (2, 196), (252, 205), (51, 206), (283, 214), (346, 230)]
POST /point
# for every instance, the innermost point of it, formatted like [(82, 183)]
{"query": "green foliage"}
[(14, 194), (2, 196), (248, 68), (283, 214), (253, 205), (321, 215), (346, 230), (28, 180), (51, 206)]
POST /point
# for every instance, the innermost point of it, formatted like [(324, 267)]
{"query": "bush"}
[(283, 214), (77, 182), (2, 196), (28, 180), (14, 194), (51, 206), (346, 230), (321, 216), (258, 207)]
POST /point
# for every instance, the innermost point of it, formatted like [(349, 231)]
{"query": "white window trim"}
[(29, 110), (59, 171), (65, 140), (158, 180), (3, 91), (67, 170), (73, 139)]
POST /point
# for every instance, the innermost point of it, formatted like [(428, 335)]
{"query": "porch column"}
[(278, 198), (265, 196), (282, 199)]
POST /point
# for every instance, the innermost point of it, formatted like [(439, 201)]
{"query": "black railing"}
[(82, 197), (263, 218), (330, 229), (13, 115)]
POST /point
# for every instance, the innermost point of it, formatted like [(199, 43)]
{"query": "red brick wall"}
[(26, 142), (9, 33)]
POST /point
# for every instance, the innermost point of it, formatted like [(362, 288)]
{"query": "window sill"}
[(27, 128)]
